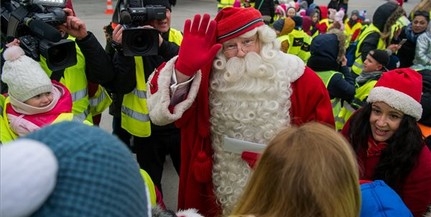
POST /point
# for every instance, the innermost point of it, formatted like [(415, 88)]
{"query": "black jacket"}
[(98, 65), (125, 76)]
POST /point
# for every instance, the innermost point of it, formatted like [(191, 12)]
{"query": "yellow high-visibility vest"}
[(134, 110), (326, 77), (299, 44), (75, 80), (358, 65)]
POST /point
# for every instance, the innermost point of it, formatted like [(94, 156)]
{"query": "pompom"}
[(202, 167), (13, 53), (189, 213)]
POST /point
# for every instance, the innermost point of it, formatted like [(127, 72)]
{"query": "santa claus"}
[(230, 90)]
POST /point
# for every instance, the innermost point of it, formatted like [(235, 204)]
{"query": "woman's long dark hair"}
[(399, 157)]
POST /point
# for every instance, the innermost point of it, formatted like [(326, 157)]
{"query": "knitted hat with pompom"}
[(24, 76)]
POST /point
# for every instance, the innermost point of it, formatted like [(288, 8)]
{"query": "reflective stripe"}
[(142, 94), (348, 107), (339, 120), (94, 101), (335, 101), (359, 65), (134, 114), (82, 116), (79, 95)]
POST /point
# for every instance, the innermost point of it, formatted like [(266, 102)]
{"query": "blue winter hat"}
[(97, 174), (379, 200)]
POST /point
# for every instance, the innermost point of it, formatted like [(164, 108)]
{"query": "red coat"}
[(416, 192), (309, 101)]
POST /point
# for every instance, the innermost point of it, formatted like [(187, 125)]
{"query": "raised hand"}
[(198, 46)]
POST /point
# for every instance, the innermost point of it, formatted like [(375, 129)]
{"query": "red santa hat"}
[(233, 22), (401, 89)]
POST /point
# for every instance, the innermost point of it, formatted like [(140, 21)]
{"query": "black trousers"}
[(151, 151)]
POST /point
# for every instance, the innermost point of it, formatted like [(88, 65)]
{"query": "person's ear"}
[(379, 67)]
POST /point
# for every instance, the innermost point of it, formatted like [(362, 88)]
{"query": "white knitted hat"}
[(24, 76), (28, 176)]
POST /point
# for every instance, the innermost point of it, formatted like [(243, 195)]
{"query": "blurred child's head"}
[(325, 171), (27, 82), (376, 60), (291, 12), (354, 15)]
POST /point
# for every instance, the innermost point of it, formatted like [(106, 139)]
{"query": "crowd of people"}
[(271, 108)]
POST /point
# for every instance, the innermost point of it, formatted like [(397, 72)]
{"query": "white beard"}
[(250, 101)]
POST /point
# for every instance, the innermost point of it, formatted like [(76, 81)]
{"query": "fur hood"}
[(385, 16), (323, 49)]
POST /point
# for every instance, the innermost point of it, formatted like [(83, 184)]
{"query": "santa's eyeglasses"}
[(232, 47)]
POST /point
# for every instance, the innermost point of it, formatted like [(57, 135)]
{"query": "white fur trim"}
[(189, 213), (158, 103), (28, 176), (397, 100), (296, 66)]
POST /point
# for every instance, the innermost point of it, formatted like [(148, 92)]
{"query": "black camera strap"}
[(57, 75)]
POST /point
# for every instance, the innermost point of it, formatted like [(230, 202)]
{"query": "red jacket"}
[(309, 102), (416, 191)]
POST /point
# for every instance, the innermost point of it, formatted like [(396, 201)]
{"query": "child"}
[(422, 59), (388, 142), (329, 62), (374, 66), (33, 101), (75, 170), (352, 29), (378, 199), (293, 179), (283, 27)]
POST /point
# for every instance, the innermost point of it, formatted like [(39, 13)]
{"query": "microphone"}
[(43, 30), (125, 17)]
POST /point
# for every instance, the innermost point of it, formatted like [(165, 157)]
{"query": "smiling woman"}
[(388, 142)]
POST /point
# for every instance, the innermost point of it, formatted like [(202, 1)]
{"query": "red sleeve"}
[(154, 86), (355, 35), (310, 100), (416, 193)]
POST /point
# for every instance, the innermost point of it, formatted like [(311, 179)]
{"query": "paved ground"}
[(93, 13)]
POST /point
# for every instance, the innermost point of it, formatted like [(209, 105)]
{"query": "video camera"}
[(33, 23), (133, 14)]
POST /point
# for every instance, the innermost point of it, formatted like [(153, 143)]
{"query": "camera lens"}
[(58, 55), (140, 42)]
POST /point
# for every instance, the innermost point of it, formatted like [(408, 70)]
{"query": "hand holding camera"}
[(73, 25)]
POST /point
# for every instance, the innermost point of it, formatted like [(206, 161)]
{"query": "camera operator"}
[(151, 143), (93, 66)]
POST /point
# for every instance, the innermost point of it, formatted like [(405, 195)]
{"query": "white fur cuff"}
[(159, 102)]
